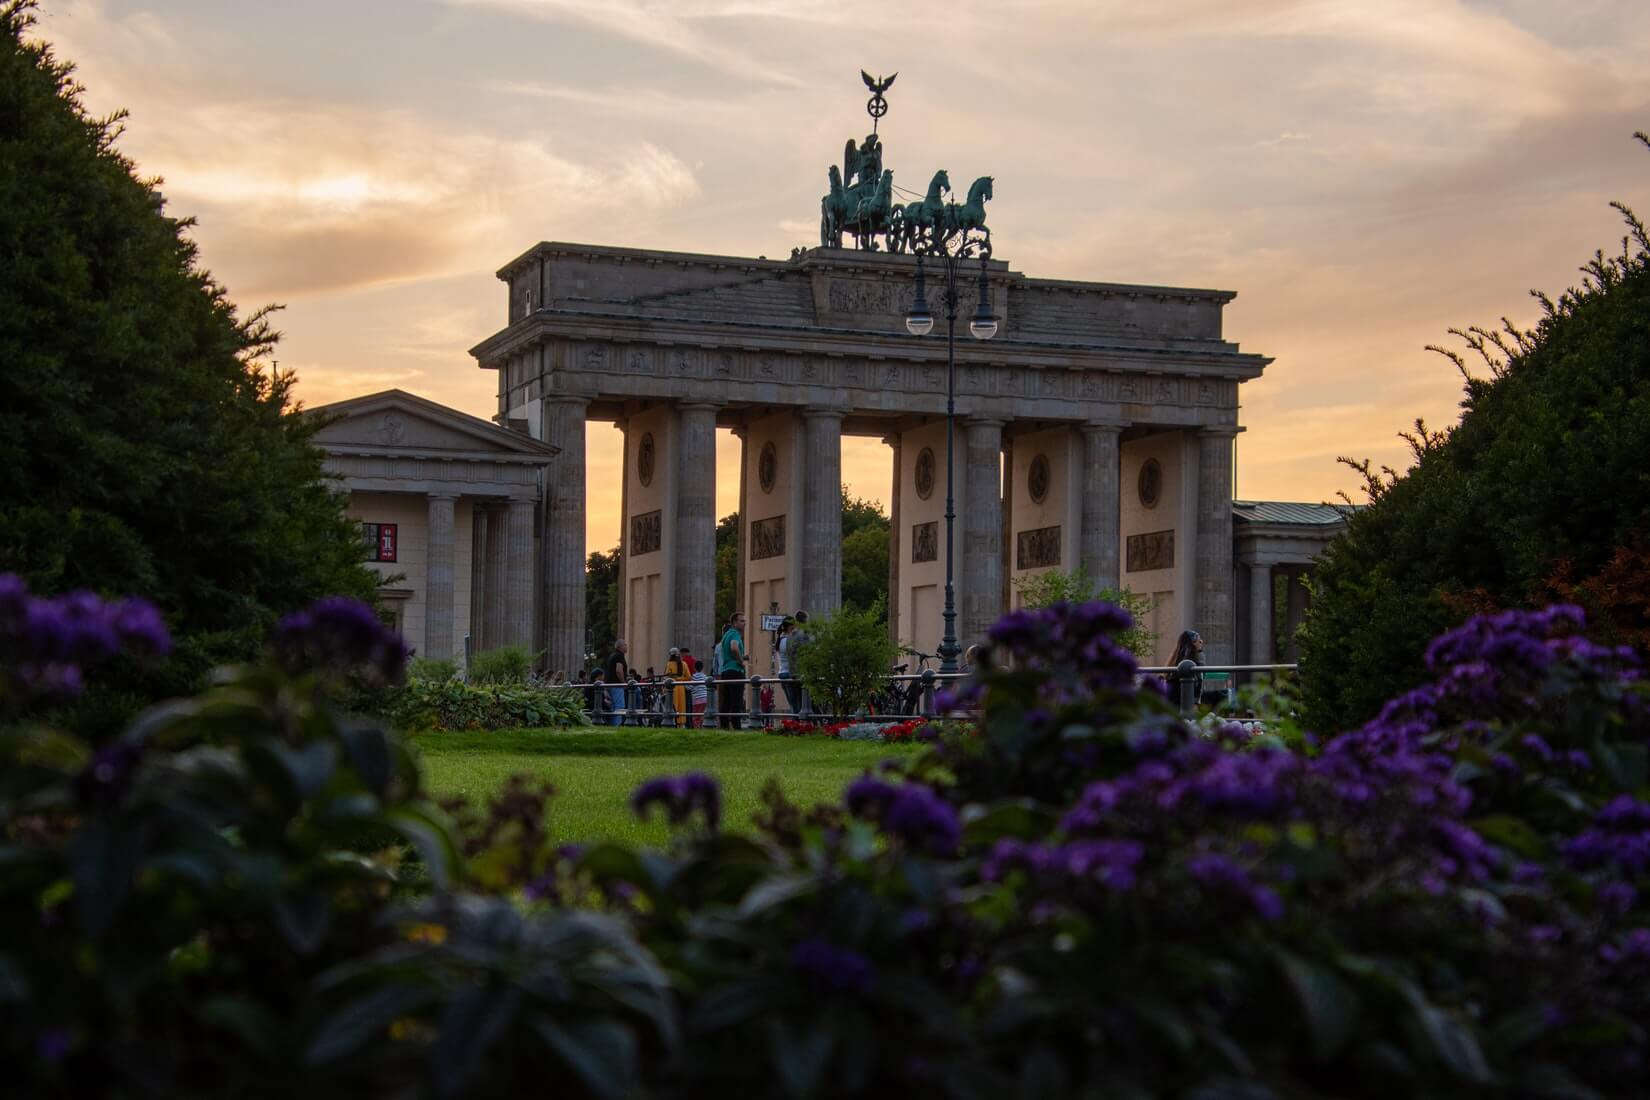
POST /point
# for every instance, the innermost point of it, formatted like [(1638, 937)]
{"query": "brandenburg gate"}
[(1094, 432)]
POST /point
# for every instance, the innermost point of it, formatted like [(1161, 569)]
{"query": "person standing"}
[(698, 695), (1188, 647), (676, 668), (617, 672), (730, 665), (793, 698)]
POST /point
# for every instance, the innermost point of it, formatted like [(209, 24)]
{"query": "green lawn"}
[(595, 770)]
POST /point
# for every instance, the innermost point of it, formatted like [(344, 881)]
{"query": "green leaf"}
[(245, 1018), (1454, 1044), (1510, 832), (471, 1023), (735, 1002), (800, 1056), (433, 839), (776, 891), (368, 750), (1330, 1006), (102, 859), (1021, 818), (347, 1029), (303, 919), (602, 1053)]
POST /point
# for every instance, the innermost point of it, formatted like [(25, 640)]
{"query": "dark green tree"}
[(864, 556), (601, 602), (727, 566), (142, 450), (1539, 493)]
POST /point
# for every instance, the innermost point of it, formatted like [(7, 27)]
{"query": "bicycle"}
[(902, 699)]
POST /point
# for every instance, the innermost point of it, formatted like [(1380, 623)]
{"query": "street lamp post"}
[(951, 252)]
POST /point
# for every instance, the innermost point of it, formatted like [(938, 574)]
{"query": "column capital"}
[(983, 421), (821, 412), (1217, 431), (699, 406), (443, 495), (1095, 427), (568, 399)]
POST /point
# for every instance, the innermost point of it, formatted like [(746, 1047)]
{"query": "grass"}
[(595, 770)]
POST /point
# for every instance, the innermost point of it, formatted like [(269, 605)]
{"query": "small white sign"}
[(772, 622)]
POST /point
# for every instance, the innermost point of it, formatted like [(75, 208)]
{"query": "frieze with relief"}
[(646, 533), (768, 538)]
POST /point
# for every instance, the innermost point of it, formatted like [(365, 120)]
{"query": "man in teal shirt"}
[(730, 666)]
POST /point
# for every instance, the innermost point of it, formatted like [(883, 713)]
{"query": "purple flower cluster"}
[(1619, 837), (338, 634), (909, 811), (682, 796), (47, 643), (1246, 786), (831, 968), (1497, 659), (1221, 873), (1076, 639), (1111, 863)]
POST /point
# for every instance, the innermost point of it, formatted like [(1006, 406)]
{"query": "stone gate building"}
[(1095, 432)]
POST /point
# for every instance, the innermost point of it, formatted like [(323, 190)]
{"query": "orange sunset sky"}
[(1364, 175)]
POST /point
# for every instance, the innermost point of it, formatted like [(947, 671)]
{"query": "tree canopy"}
[(141, 448), (1540, 492)]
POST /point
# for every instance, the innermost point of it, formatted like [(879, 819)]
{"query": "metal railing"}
[(916, 698)]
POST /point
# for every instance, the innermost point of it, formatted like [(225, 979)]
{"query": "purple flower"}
[(832, 968), (46, 643), (681, 796), (1617, 897), (338, 634), (52, 1045), (910, 811), (1220, 872)]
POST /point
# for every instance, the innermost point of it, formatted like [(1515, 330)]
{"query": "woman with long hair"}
[(1189, 647)]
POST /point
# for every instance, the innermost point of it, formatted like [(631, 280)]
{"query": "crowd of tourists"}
[(692, 692)]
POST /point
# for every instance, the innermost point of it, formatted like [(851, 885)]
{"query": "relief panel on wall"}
[(1153, 550), (1037, 548), (646, 531), (768, 538), (925, 541)]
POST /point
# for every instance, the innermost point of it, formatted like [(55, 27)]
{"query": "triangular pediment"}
[(394, 421)]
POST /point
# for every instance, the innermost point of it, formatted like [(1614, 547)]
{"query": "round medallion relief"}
[(644, 459), (925, 473), (767, 466), (1150, 485), (1037, 479)]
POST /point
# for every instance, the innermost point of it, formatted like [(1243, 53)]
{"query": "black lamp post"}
[(951, 254)]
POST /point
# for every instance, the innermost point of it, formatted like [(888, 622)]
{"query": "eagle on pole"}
[(877, 86)]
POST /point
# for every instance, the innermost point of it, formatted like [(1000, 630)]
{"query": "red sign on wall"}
[(380, 540)]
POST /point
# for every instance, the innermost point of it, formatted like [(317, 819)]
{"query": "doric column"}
[(1212, 606), (740, 589), (1299, 600), (563, 535), (895, 542), (695, 547), (822, 511), (438, 580), (1100, 504), (982, 530), (518, 574), (493, 584), (1260, 614)]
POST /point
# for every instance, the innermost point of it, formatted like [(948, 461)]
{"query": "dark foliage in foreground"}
[(1538, 494), (1080, 897)]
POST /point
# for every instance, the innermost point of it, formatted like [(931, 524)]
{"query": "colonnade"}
[(791, 521), (501, 583)]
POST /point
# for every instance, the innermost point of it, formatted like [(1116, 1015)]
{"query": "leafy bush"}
[(509, 664), (1053, 586), (1079, 897), (432, 668), (847, 657), (456, 705), (1538, 493)]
